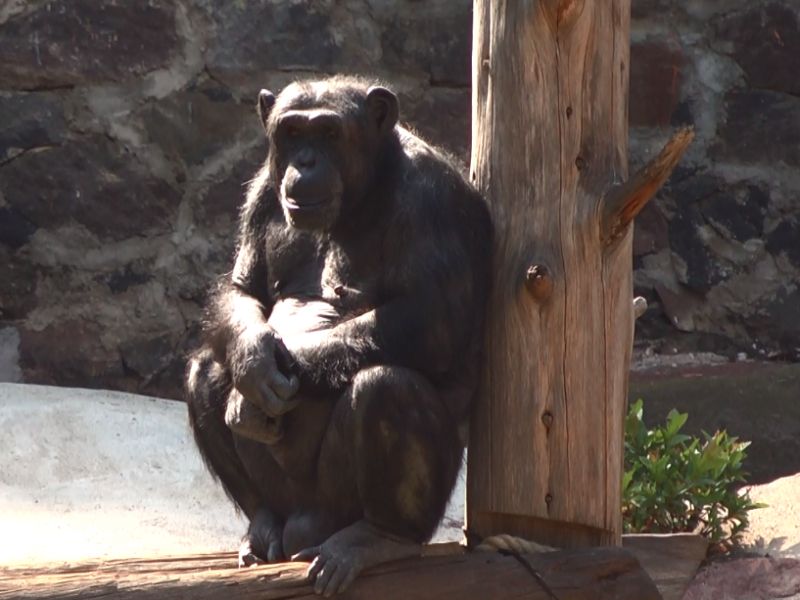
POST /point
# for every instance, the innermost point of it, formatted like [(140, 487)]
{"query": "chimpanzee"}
[(331, 396)]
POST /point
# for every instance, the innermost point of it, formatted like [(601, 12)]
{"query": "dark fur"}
[(380, 304)]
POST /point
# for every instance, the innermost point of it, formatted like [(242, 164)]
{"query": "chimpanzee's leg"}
[(393, 449), (208, 387)]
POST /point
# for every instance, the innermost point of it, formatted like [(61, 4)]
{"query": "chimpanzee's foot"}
[(338, 561), (263, 542)]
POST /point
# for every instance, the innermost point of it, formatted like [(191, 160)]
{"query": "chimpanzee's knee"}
[(407, 450), (208, 385)]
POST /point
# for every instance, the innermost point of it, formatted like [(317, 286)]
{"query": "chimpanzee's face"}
[(323, 144)]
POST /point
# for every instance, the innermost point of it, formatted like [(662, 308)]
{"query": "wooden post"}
[(549, 148)]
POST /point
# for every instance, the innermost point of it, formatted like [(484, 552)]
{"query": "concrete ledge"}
[(97, 474), (92, 474)]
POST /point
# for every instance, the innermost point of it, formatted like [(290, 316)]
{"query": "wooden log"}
[(572, 575), (549, 148)]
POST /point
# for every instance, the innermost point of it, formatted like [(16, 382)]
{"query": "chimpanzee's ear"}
[(266, 100), (383, 107)]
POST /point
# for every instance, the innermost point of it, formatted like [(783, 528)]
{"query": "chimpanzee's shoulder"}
[(435, 185)]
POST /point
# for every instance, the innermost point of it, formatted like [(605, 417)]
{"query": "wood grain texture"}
[(550, 104), (574, 575)]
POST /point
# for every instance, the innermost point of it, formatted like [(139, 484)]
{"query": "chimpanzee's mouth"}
[(307, 203)]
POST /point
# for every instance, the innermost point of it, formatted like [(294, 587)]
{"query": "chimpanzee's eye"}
[(331, 133), (292, 132)]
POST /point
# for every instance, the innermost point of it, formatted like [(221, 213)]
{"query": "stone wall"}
[(127, 132), (718, 253)]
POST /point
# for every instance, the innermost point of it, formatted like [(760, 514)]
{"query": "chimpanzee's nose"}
[(306, 159)]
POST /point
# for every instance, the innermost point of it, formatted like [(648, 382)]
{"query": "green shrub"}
[(676, 483)]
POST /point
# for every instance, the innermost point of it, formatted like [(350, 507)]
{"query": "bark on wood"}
[(573, 575), (550, 114)]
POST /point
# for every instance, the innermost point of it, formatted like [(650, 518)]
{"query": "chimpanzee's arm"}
[(438, 301), (242, 301)]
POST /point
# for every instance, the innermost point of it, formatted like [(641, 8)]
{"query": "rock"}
[(699, 269), (765, 41), (121, 280), (679, 305), (200, 270), (761, 127), (692, 188), (740, 221), (192, 126), (89, 182), (9, 356), (29, 121), (761, 578), (70, 353), (784, 320), (650, 231), (72, 42), (649, 9), (655, 88), (219, 205), (15, 228), (147, 356), (683, 115), (432, 42), (255, 38), (435, 39), (18, 278), (443, 116), (167, 382), (784, 240)]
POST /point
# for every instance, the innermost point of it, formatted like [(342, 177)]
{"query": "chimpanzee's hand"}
[(247, 420), (256, 365)]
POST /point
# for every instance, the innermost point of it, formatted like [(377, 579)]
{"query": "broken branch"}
[(623, 202)]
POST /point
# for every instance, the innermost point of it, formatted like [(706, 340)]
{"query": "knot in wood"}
[(539, 282), (568, 12), (580, 162), (549, 499), (547, 419)]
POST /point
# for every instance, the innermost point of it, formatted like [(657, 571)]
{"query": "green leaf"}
[(626, 480), (675, 421), (679, 439)]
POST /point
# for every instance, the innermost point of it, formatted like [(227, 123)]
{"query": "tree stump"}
[(549, 149)]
